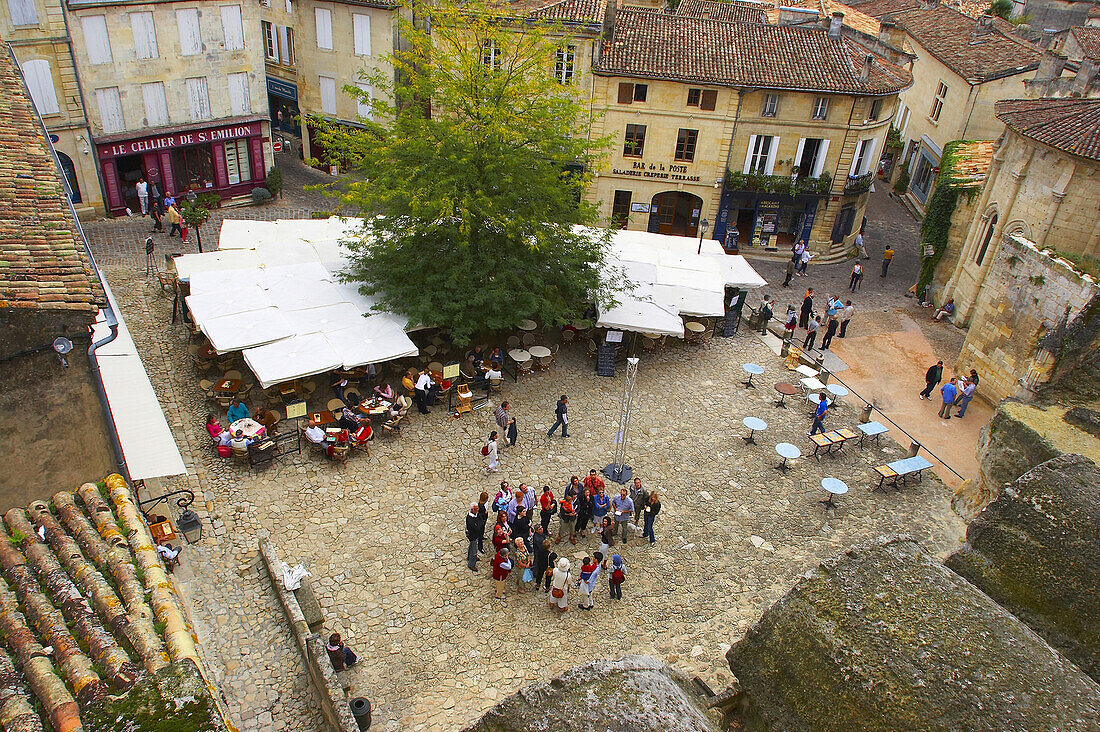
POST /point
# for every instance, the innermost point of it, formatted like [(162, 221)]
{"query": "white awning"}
[(148, 447), (372, 340), (227, 302), (291, 358), (245, 330), (635, 313), (323, 319)]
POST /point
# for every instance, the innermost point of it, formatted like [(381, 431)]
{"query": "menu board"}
[(605, 360)]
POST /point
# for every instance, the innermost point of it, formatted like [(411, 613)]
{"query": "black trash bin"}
[(360, 709)]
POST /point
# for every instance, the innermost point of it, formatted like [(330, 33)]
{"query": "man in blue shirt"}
[(949, 391), (819, 414), (624, 511)]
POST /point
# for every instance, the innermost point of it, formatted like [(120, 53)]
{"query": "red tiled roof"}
[(1088, 38), (734, 11), (949, 35), (1070, 125), (655, 45), (572, 11), (969, 161), (42, 261)]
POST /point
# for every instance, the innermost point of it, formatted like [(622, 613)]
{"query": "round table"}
[(837, 391), (250, 428), (435, 366), (787, 451), (754, 425), (527, 325), (207, 351), (751, 369), (519, 355), (694, 327), (785, 390), (834, 488), (539, 351)]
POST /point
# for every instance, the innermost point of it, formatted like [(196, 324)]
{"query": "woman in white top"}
[(491, 451), (559, 586)]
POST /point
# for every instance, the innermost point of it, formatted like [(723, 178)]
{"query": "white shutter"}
[(156, 105), (365, 110), (198, 97), (361, 28), (798, 153), (23, 12), (748, 155), (770, 166), (145, 35), (39, 80), (239, 101), (232, 28), (869, 162), (190, 37), (110, 109), (855, 159), (96, 41), (819, 164), (324, 28), (328, 94), (284, 45)]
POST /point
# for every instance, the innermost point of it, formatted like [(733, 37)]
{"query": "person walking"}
[(887, 257), (490, 450), (502, 416), (473, 536), (819, 414), (154, 211), (142, 190), (792, 321), (616, 577), (859, 245), (174, 219), (502, 565), (653, 507), (830, 331), (857, 276), (811, 334), (624, 512), (561, 413), (846, 314), (790, 273), (968, 389), (559, 585), (807, 308), (948, 391), (765, 314), (805, 262), (931, 378)]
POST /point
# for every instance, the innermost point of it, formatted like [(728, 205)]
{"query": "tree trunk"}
[(16, 711), (49, 624), (57, 702), (64, 594), (137, 629)]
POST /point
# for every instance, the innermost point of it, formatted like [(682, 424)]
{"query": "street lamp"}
[(190, 525), (703, 226)]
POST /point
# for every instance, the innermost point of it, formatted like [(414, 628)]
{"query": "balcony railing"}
[(858, 183), (779, 184)]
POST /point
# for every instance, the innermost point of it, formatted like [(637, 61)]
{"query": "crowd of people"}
[(524, 548), (956, 392)]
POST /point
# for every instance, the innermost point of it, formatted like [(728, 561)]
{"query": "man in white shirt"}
[(859, 245), (142, 189), (846, 314), (314, 434), (423, 389)]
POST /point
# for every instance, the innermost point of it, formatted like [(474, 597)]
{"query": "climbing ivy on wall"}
[(937, 214)]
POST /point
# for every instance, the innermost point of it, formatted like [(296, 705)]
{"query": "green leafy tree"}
[(196, 213), (1001, 8), (475, 181)]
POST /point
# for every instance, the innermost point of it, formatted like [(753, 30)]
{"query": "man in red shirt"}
[(593, 481), (502, 565), (549, 507)]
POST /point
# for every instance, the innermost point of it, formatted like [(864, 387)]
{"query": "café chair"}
[(233, 374), (340, 453), (496, 385), (513, 341), (568, 335), (528, 339), (207, 386), (225, 402), (593, 349), (334, 405), (525, 368), (240, 454)]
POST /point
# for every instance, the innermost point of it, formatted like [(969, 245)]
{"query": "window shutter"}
[(110, 109), (145, 35), (324, 28), (190, 37), (239, 100), (798, 154), (869, 162), (626, 92), (770, 166), (156, 105), (365, 109), (198, 97), (40, 85), (23, 12), (361, 28), (328, 94), (748, 154), (284, 45), (96, 41), (232, 28), (819, 164), (708, 100)]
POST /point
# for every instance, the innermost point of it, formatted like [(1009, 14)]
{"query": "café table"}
[(821, 440), (527, 325), (787, 451), (834, 488), (375, 407), (322, 418), (785, 390), (336, 436), (694, 331), (249, 427), (226, 386), (206, 351), (754, 425), (519, 355), (872, 429), (751, 369), (811, 384), (539, 351), (807, 372), (837, 391)]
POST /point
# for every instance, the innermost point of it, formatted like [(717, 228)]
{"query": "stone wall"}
[(334, 704), (1025, 293), (52, 428)]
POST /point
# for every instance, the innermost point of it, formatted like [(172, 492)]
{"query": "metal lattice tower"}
[(617, 471)]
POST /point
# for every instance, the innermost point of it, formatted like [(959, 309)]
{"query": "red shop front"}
[(227, 159)]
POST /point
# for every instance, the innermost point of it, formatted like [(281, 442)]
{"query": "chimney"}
[(865, 72), (835, 24), (796, 16), (1086, 75), (1050, 66), (984, 26), (890, 34), (608, 31)]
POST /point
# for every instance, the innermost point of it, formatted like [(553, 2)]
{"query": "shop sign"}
[(658, 171), (180, 139), (639, 207), (767, 219), (281, 88)]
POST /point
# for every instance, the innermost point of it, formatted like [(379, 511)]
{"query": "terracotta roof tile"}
[(949, 35), (42, 261), (565, 11), (1088, 38), (655, 45), (1070, 125), (970, 161), (743, 11)]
